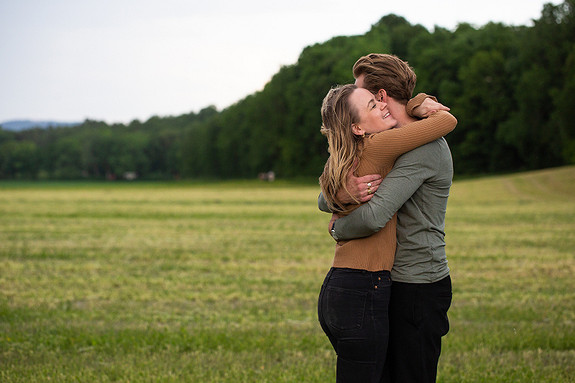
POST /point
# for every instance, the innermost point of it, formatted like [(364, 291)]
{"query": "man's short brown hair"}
[(389, 72)]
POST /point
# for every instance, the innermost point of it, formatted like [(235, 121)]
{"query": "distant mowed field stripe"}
[(218, 282)]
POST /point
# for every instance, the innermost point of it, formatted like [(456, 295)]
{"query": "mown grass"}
[(218, 282)]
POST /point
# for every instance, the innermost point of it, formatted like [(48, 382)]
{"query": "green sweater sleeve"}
[(322, 204), (407, 175)]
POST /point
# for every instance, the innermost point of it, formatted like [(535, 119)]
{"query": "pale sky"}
[(120, 60)]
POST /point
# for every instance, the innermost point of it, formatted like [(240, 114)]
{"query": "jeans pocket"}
[(345, 309)]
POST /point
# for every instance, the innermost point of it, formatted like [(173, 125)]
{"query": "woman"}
[(354, 297)]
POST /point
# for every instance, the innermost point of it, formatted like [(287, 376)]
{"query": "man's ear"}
[(381, 95)]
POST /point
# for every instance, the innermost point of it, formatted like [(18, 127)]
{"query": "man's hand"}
[(334, 216), (360, 188), (428, 107)]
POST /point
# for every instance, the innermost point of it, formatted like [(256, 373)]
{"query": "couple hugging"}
[(383, 304)]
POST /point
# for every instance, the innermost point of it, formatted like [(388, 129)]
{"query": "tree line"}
[(509, 87)]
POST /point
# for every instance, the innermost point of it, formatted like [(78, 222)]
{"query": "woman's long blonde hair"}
[(344, 146)]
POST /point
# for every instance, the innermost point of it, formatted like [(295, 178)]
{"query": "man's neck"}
[(398, 112)]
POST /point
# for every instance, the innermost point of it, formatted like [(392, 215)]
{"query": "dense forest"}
[(509, 86)]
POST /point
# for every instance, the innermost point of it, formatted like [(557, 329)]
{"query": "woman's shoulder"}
[(381, 141)]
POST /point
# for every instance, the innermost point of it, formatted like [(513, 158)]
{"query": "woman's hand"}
[(360, 188), (334, 217), (428, 107)]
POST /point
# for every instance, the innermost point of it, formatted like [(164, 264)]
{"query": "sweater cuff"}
[(417, 101)]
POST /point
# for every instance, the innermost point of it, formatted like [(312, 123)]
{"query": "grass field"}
[(184, 282)]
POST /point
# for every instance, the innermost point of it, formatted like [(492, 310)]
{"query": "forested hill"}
[(511, 88)]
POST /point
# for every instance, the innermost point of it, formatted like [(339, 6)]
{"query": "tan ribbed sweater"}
[(377, 252)]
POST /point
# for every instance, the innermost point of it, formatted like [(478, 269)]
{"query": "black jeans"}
[(353, 313), (418, 320)]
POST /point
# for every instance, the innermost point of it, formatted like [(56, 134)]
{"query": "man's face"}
[(359, 80)]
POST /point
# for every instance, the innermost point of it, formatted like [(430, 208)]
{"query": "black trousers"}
[(418, 320), (353, 313)]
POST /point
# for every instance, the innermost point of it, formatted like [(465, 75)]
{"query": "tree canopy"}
[(509, 87)]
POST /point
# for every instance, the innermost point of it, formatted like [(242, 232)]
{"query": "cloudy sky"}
[(120, 60)]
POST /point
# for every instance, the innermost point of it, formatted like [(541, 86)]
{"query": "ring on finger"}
[(369, 190), (369, 184)]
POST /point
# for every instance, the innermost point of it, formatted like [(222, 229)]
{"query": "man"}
[(417, 188)]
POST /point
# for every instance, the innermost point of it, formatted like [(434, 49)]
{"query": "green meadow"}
[(218, 282)]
